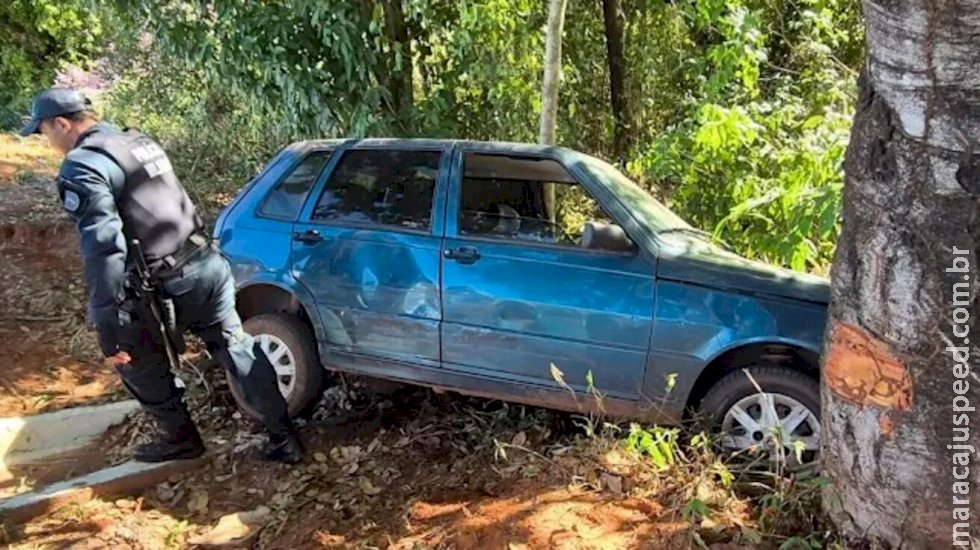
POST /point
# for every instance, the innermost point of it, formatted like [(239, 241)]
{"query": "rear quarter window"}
[(384, 187), (286, 200)]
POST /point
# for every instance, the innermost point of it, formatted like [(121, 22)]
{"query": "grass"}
[(23, 159), (722, 497)]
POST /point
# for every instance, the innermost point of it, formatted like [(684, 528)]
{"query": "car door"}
[(368, 250), (521, 293)]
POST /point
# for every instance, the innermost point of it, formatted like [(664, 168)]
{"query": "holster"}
[(129, 322), (136, 314)]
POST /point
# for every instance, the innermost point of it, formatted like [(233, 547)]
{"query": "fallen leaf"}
[(616, 463), (367, 488), (519, 439), (165, 493), (351, 468), (613, 483), (233, 529), (198, 502), (350, 453), (708, 523), (319, 457), (329, 541)]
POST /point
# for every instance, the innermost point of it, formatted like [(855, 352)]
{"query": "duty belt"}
[(170, 265)]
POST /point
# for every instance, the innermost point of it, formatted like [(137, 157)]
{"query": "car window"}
[(286, 200), (656, 216), (507, 197), (385, 187)]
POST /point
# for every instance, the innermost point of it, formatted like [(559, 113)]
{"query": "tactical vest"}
[(154, 206)]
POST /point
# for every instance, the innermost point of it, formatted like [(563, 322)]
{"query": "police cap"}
[(54, 102)]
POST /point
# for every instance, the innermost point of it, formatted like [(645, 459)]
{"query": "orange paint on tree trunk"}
[(861, 369), (886, 426)]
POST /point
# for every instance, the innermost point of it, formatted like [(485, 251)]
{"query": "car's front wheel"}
[(780, 418), (289, 345)]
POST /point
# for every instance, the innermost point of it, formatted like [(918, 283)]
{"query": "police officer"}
[(118, 186)]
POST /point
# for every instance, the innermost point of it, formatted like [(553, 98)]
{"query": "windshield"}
[(657, 217)]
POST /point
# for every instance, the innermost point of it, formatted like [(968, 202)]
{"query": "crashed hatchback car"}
[(530, 274)]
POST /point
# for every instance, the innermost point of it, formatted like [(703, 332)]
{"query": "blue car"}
[(530, 274)]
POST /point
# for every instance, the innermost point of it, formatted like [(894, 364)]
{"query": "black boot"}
[(182, 443), (282, 448)]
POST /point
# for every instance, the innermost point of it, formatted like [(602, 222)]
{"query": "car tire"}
[(272, 332), (787, 390)]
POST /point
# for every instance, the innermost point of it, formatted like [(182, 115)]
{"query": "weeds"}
[(737, 497), (173, 538)]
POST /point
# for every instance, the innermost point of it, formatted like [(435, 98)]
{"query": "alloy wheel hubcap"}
[(772, 422), (282, 361)]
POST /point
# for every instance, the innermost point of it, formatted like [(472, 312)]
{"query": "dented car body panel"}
[(521, 321)]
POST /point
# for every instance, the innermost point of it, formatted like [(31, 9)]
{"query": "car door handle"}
[(308, 237), (463, 254)]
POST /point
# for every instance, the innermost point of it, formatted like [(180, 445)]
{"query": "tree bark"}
[(612, 12), (549, 89), (898, 349), (552, 72), (400, 78)]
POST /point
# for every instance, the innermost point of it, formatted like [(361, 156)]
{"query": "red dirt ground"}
[(49, 360), (396, 481)]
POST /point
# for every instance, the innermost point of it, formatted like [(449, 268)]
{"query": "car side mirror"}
[(606, 236)]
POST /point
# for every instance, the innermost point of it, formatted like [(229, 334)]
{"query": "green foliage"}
[(690, 475), (695, 509), (37, 37), (755, 152), (738, 110), (658, 443), (482, 78)]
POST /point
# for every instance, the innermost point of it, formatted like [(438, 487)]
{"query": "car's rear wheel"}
[(289, 345), (782, 421)]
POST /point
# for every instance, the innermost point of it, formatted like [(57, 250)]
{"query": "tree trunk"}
[(552, 71), (549, 90), (898, 389), (612, 12), (400, 77)]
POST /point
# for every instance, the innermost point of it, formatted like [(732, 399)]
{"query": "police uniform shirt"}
[(118, 186)]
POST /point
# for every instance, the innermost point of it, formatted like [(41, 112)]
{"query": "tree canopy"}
[(36, 38), (737, 110)]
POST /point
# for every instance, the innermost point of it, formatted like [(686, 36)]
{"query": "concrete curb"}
[(123, 479), (27, 439)]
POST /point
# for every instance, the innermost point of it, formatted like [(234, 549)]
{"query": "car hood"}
[(696, 262)]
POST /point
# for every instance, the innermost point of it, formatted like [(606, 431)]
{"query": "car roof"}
[(415, 143)]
